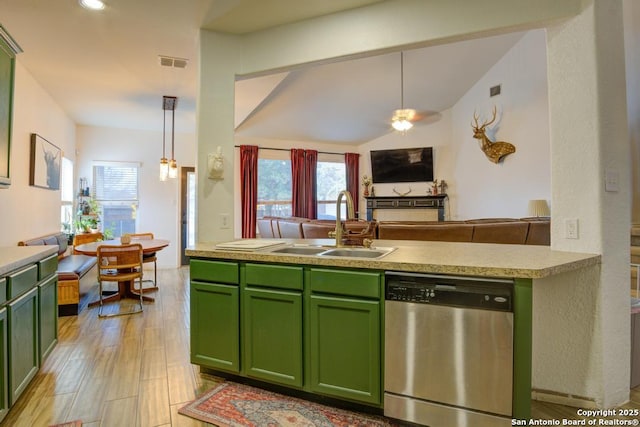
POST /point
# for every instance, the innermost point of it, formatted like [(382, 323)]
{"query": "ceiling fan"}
[(404, 118)]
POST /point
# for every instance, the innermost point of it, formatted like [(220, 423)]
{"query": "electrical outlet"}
[(224, 220), (571, 228)]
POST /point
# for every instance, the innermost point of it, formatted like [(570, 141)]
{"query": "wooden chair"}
[(151, 257), (120, 263), (82, 238)]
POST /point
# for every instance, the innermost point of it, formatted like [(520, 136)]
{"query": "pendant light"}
[(164, 163), (401, 120), (173, 167), (168, 168)]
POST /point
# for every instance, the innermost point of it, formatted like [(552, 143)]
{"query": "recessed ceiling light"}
[(92, 4)]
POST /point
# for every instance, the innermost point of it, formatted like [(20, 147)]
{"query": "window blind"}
[(115, 181)]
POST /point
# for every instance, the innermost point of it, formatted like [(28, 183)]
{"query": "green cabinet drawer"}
[(274, 276), (214, 271), (3, 290), (345, 282), (21, 281), (47, 266)]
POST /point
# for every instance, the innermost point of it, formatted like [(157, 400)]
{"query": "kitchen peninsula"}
[(315, 323)]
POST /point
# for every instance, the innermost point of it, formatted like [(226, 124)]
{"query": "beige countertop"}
[(14, 257), (469, 259)]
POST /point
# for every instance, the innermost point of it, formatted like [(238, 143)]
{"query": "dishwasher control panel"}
[(450, 291)]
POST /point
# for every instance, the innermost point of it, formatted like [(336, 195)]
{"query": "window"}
[(66, 196), (274, 184), (274, 187), (332, 179), (116, 191)]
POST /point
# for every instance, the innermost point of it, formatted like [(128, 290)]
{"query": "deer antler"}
[(402, 194), (485, 124)]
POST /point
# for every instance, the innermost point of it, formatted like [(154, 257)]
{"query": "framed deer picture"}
[(46, 159)]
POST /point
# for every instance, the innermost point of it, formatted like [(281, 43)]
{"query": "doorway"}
[(187, 210)]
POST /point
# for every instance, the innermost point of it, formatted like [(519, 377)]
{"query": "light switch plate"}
[(571, 228), (611, 179)]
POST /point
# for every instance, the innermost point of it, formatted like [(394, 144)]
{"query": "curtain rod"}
[(286, 149)]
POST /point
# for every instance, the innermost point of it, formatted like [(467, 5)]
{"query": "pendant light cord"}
[(173, 127), (164, 131), (402, 80)]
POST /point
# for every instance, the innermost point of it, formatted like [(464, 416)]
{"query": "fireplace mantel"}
[(406, 202)]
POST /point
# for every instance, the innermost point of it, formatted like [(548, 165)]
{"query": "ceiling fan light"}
[(92, 4), (401, 125)]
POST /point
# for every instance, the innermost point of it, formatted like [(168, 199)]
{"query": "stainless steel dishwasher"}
[(448, 350)]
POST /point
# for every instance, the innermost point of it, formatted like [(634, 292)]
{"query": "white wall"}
[(27, 212), (159, 205), (478, 187)]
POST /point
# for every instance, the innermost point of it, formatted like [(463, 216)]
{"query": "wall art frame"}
[(45, 163)]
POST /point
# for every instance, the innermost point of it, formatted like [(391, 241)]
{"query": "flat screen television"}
[(402, 165)]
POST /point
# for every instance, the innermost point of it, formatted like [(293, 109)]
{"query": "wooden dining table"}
[(125, 289)]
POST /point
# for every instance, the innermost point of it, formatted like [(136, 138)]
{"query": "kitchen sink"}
[(331, 251), (357, 252), (300, 250)]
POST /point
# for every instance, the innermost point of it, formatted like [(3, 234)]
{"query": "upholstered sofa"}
[(522, 231), (72, 268)]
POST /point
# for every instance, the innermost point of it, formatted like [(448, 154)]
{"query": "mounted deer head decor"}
[(495, 151)]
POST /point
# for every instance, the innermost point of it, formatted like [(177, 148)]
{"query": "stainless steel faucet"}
[(338, 232)]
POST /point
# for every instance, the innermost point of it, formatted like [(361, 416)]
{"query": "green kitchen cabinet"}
[(272, 335), (215, 325), (345, 344), (48, 315), (272, 323), (345, 348), (4, 374), (23, 339), (215, 314)]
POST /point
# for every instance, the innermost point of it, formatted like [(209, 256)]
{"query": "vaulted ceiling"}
[(103, 67)]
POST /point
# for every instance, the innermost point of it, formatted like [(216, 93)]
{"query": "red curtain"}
[(249, 188), (352, 165), (303, 182), (298, 205), (310, 183)]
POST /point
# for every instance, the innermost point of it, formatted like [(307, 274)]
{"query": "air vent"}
[(169, 61), (494, 90)]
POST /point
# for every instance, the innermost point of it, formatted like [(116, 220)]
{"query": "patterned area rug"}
[(237, 405)]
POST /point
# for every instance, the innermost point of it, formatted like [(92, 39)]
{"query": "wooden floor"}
[(135, 371)]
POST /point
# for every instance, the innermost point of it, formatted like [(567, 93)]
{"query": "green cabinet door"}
[(215, 324), (4, 376), (272, 335), (345, 348), (48, 315), (23, 343)]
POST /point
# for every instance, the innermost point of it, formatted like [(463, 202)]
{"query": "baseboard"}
[(563, 399)]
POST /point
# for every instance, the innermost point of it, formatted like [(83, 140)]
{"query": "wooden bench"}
[(71, 269)]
